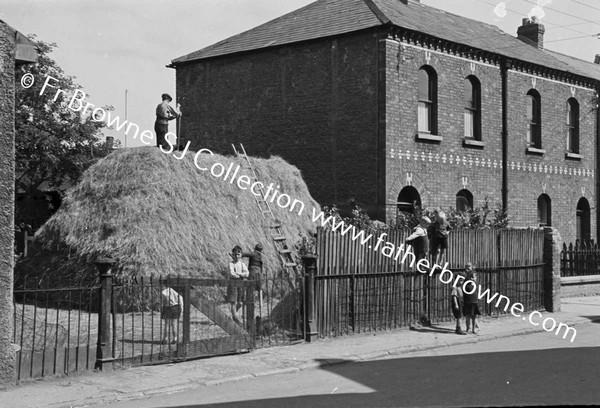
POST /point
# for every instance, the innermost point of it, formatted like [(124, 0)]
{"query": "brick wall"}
[(314, 104), (439, 170), (7, 177), (565, 184), (320, 106), (433, 169)]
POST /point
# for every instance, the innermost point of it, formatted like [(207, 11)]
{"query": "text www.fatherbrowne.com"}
[(284, 201), (404, 253)]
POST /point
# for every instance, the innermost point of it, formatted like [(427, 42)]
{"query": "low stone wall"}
[(574, 286)]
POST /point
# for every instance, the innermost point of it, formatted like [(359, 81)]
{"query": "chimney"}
[(532, 32), (109, 143), (597, 59), (406, 1)]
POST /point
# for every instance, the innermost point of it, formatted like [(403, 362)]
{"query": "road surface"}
[(536, 369)]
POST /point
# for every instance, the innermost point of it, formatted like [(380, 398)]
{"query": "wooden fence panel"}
[(339, 254), (359, 289)]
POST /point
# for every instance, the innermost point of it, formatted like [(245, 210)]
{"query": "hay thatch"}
[(157, 215)]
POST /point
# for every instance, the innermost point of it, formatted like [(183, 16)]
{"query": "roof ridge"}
[(253, 29), (570, 56), (377, 11)]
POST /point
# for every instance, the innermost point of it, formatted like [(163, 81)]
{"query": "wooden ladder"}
[(279, 239)]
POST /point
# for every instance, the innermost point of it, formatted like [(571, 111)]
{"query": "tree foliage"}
[(484, 217), (54, 144)]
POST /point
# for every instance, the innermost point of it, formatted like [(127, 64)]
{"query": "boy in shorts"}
[(172, 305), (471, 309), (457, 305), (237, 270)]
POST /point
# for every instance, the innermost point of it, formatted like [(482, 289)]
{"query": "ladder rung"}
[(279, 238), (285, 251), (276, 226), (266, 211), (290, 264)]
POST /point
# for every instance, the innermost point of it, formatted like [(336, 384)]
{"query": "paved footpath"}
[(125, 384)]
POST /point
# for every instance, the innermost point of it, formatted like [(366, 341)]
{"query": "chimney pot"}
[(532, 32), (110, 143)]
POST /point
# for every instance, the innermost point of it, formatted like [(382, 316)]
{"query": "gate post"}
[(186, 317), (250, 319), (104, 356), (552, 248), (310, 267)]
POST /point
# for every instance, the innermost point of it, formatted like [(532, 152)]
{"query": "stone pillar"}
[(552, 248), (7, 207), (15, 50)]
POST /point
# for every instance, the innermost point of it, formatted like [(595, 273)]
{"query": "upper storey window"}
[(572, 126), (472, 104), (427, 110), (534, 119)]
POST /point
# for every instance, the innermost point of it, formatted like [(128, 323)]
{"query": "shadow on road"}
[(562, 376)]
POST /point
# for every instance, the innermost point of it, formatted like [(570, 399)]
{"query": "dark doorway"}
[(408, 200), (583, 220), (544, 210)]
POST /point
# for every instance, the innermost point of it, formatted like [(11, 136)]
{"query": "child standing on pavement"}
[(457, 305), (471, 309)]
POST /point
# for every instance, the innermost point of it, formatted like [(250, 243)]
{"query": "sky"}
[(111, 46)]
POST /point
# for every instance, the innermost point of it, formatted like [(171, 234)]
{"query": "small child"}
[(471, 309), (457, 304), (172, 304), (237, 270)]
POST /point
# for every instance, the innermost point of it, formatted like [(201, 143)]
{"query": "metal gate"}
[(205, 326)]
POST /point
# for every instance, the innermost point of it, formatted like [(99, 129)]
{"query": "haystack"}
[(157, 215)]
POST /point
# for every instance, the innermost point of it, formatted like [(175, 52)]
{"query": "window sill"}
[(573, 156), (428, 137), (535, 151), (473, 143)]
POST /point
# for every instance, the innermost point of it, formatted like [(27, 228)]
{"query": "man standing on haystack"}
[(164, 113)]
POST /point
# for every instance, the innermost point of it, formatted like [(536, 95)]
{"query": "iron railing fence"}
[(57, 330), (581, 259), (377, 301), (54, 330)]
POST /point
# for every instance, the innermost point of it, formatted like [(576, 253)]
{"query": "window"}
[(408, 200), (464, 200), (427, 110), (572, 126), (472, 103), (534, 119), (544, 210)]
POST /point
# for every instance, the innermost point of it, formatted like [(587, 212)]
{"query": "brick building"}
[(15, 49), (392, 103)]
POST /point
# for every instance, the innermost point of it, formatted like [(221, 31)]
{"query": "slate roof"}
[(325, 18)]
